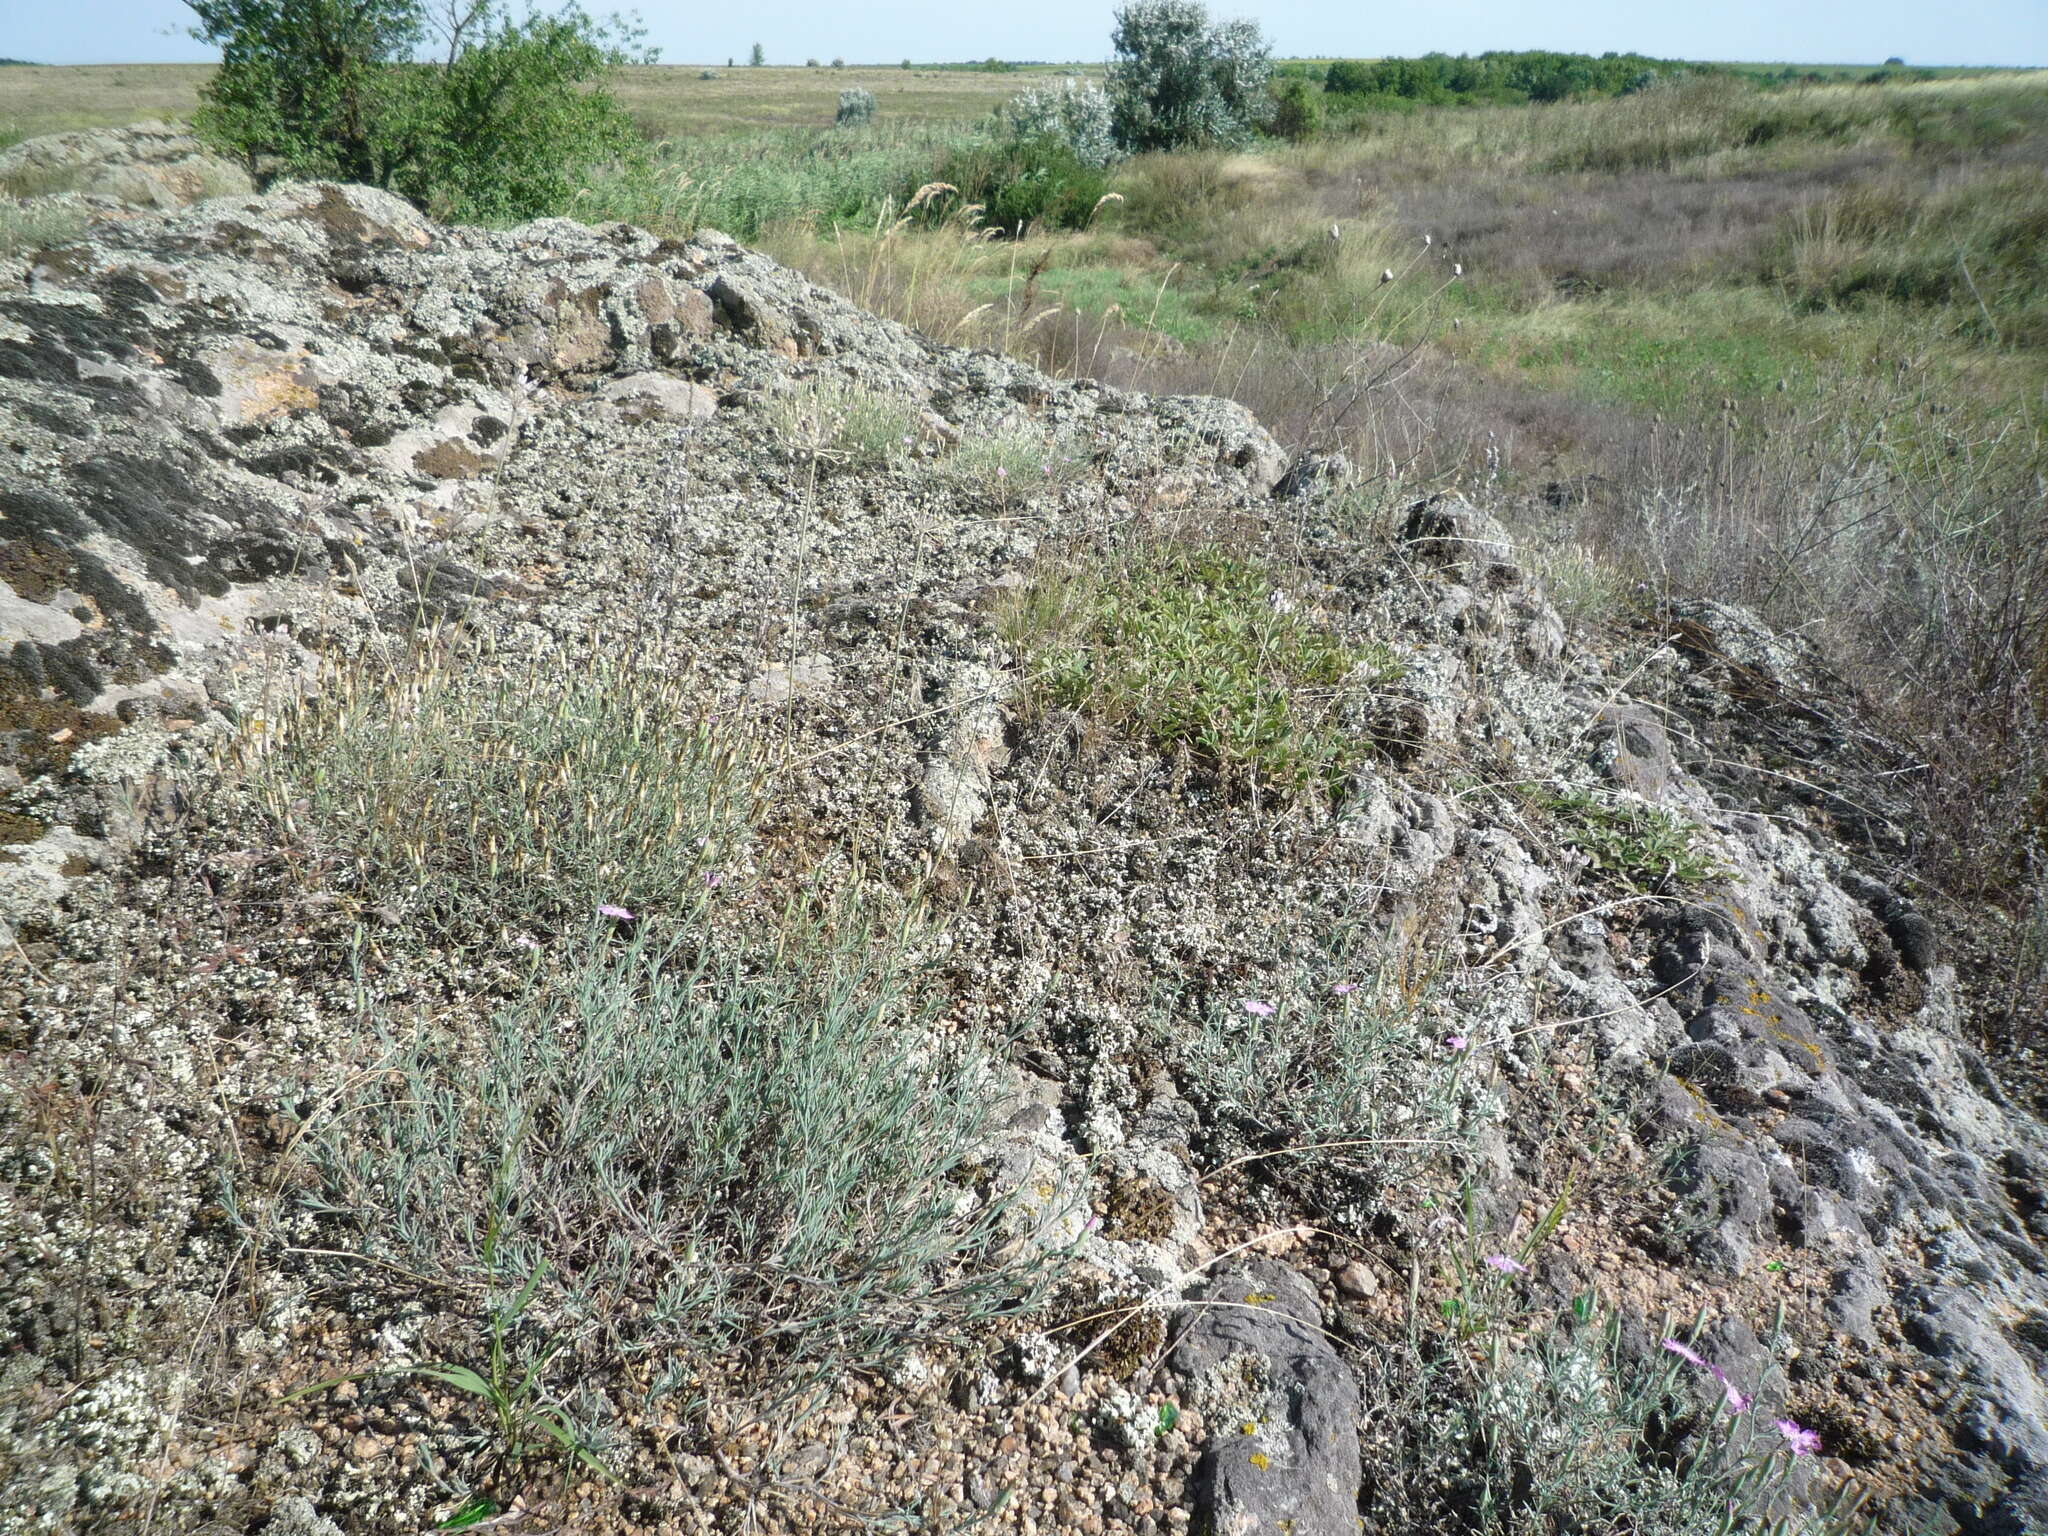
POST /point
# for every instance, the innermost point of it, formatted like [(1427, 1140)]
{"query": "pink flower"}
[(1457, 1045), (1687, 1355), (713, 879), (1257, 1007), (1804, 1442), (1738, 1400), (1002, 473), (1345, 988), (1506, 1265), (608, 910)]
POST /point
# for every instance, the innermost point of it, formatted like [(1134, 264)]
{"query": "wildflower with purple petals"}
[(1506, 1265), (1738, 1400), (1345, 988), (1257, 1007), (1457, 1045), (608, 910), (1690, 1357), (1804, 1442)]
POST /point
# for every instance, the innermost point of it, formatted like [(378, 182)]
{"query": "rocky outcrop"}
[(117, 170), (243, 437)]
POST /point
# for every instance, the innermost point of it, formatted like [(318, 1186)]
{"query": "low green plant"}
[(1514, 1421), (846, 425), (1338, 1078), (1200, 648), (507, 801), (1021, 184), (1628, 843), (526, 1423), (758, 1158)]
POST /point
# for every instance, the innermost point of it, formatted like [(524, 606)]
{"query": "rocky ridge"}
[(240, 437)]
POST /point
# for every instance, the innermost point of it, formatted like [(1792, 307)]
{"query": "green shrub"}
[(1179, 82), (505, 127), (856, 108), (1296, 113), (1035, 183)]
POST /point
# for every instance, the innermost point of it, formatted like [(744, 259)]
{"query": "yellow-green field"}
[(37, 99), (667, 101)]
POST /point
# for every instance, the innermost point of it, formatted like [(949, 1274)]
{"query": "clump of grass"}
[(748, 185), (1570, 1422), (1338, 1080), (1013, 462), (28, 226), (1629, 844), (511, 801), (762, 1156), (844, 424), (1200, 649)]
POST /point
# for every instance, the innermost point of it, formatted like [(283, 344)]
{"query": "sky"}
[(886, 31)]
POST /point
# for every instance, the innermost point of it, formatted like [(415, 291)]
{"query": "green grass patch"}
[(1201, 649), (1628, 844), (743, 185)]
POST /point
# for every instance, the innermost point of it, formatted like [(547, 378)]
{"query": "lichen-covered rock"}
[(1280, 1405), (139, 165)]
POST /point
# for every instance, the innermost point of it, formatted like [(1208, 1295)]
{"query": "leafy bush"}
[(1072, 113), (1179, 81), (1035, 182), (856, 108), (505, 127), (1296, 113)]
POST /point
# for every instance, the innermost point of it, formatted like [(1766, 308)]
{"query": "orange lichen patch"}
[(258, 383)]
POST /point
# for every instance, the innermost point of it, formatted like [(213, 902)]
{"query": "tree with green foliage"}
[(1296, 113), (500, 122), (1178, 81), (758, 57)]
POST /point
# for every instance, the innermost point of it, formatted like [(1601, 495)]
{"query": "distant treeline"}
[(1442, 79)]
